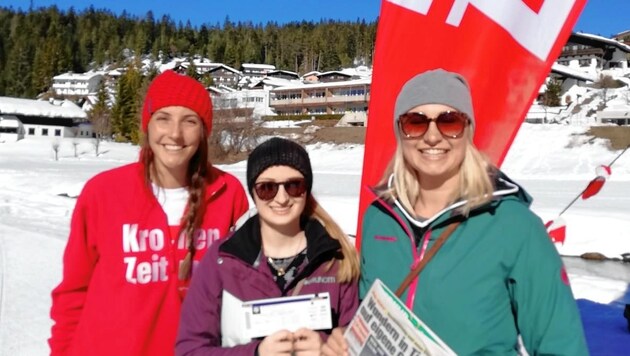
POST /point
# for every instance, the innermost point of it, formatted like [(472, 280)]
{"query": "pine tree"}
[(125, 113), (48, 57), (100, 115), (19, 59), (191, 71), (552, 94)]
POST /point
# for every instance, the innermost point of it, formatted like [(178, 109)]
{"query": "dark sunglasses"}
[(451, 124), (268, 190)]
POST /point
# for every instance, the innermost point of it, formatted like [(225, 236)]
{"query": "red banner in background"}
[(504, 48)]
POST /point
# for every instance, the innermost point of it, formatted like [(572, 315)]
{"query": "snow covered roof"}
[(77, 76), (164, 67), (279, 82), (622, 46), (314, 72), (258, 66), (221, 89), (572, 73), (282, 71), (221, 65), (203, 62), (28, 107), (360, 71), (334, 72), (215, 90), (9, 121)]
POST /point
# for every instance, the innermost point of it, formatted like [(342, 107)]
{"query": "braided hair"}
[(198, 173)]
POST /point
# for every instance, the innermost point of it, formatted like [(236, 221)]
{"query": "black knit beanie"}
[(278, 152)]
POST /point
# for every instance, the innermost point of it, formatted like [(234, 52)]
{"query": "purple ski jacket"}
[(237, 265)]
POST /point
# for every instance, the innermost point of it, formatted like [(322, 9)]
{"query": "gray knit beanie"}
[(435, 87), (278, 152)]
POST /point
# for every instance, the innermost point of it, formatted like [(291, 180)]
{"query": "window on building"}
[(13, 130), (44, 132), (31, 131), (57, 132)]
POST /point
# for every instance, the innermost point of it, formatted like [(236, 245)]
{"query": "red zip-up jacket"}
[(120, 294)]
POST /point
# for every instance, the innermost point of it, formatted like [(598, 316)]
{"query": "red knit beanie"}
[(172, 89)]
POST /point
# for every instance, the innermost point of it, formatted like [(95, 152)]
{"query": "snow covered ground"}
[(553, 162)]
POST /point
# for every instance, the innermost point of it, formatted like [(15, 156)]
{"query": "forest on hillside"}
[(38, 44)]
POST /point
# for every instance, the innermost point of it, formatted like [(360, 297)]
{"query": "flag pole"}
[(582, 192)]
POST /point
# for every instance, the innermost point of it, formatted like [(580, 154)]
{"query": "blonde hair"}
[(475, 185), (349, 263)]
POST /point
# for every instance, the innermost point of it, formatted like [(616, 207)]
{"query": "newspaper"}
[(384, 326)]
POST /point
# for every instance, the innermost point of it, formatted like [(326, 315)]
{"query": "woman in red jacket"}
[(138, 231)]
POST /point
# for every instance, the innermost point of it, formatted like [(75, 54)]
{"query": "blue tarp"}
[(605, 327)]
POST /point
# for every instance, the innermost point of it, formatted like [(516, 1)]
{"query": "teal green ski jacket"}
[(497, 276)]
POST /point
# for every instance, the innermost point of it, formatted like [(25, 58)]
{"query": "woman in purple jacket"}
[(291, 247)]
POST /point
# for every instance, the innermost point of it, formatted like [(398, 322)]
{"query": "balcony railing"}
[(582, 52), (320, 100)]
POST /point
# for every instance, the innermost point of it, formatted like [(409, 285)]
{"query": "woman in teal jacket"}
[(497, 276)]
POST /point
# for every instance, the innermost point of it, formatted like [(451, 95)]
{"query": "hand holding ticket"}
[(242, 321), (266, 316)]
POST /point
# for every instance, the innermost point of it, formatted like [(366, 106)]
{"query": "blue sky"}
[(603, 17)]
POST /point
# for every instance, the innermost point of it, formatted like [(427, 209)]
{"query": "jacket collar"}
[(245, 243), (216, 182), (503, 187)]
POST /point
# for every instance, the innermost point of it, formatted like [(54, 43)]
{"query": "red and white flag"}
[(594, 186), (557, 230), (504, 48)]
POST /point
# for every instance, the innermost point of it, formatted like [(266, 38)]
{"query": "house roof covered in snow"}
[(278, 82), (41, 108), (622, 33), (9, 121), (572, 72), (360, 71), (608, 41), (258, 66), (334, 72), (77, 76), (282, 71), (314, 72), (226, 67)]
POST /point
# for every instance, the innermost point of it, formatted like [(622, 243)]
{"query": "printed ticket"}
[(266, 316)]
